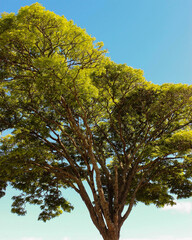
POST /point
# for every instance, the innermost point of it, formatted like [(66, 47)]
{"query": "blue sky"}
[(153, 35)]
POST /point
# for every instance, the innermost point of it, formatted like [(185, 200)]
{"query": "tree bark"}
[(111, 235)]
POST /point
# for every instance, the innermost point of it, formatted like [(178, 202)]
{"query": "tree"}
[(78, 120)]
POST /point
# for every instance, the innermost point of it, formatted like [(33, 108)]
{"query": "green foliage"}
[(43, 56), (73, 115)]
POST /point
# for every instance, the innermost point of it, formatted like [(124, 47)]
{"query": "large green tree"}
[(77, 120)]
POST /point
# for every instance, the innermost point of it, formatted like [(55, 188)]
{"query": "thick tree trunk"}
[(111, 238), (111, 235)]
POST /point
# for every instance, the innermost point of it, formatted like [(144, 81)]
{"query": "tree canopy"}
[(75, 117)]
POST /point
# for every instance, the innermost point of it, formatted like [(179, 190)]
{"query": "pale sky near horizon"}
[(155, 36)]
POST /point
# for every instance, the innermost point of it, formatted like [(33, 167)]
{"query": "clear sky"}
[(154, 35)]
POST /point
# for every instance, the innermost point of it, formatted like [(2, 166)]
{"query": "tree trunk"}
[(111, 238), (111, 235)]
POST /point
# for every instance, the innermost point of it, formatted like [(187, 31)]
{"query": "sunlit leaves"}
[(74, 115)]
